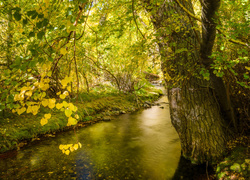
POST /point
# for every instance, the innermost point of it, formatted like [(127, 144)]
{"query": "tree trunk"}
[(195, 110)]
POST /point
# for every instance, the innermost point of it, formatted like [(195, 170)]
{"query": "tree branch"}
[(135, 19), (219, 30)]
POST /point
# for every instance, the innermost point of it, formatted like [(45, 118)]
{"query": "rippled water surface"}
[(141, 145)]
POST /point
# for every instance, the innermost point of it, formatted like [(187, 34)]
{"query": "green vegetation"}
[(57, 57), (99, 104), (236, 164)]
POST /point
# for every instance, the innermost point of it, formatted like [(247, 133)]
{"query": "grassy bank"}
[(99, 104)]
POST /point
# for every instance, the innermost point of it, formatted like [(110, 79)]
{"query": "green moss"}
[(234, 164)]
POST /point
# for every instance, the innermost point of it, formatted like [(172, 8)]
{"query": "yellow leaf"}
[(45, 102), (65, 104), (62, 96), (46, 65), (75, 146), (247, 68), (47, 116), (19, 97), (72, 107), (69, 88), (35, 109), (58, 93), (49, 73), (44, 87), (68, 146), (177, 29), (16, 97), (80, 145), (13, 110), (68, 112), (29, 109), (21, 110), (43, 121), (63, 51), (61, 147), (76, 116), (64, 83), (67, 152), (69, 23), (71, 149), (72, 121), (52, 103), (43, 94), (59, 105)]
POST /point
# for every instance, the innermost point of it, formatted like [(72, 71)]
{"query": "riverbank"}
[(236, 164), (98, 105)]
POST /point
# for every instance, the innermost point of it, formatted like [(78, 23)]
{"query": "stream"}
[(140, 145)]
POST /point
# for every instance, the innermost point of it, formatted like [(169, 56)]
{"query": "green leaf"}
[(17, 16), (31, 34), (41, 16), (40, 35), (25, 21), (45, 22), (31, 13), (33, 63), (34, 15), (2, 107), (39, 24)]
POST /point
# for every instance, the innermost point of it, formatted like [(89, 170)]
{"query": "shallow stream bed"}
[(141, 145)]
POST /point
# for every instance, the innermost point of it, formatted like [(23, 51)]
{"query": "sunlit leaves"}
[(67, 148), (21, 110), (44, 120), (247, 68), (64, 95), (59, 105), (68, 112), (71, 121), (45, 102), (63, 51), (52, 103), (65, 81)]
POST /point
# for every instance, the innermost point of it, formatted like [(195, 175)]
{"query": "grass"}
[(97, 105)]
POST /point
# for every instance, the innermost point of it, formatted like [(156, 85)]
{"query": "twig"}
[(135, 19)]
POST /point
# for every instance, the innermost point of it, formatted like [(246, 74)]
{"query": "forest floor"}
[(236, 164), (98, 105)]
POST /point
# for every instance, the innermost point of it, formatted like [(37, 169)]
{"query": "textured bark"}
[(208, 36), (195, 110)]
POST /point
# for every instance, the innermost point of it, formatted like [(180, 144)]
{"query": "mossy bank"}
[(98, 105)]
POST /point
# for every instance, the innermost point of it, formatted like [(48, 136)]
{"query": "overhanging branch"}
[(135, 19), (219, 30)]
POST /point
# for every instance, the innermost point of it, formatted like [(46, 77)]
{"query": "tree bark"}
[(208, 36), (195, 109)]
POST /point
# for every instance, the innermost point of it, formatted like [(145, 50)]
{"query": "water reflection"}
[(141, 145)]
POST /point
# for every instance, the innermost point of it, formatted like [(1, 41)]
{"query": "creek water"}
[(140, 145)]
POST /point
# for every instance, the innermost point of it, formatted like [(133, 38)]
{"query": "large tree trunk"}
[(194, 104)]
